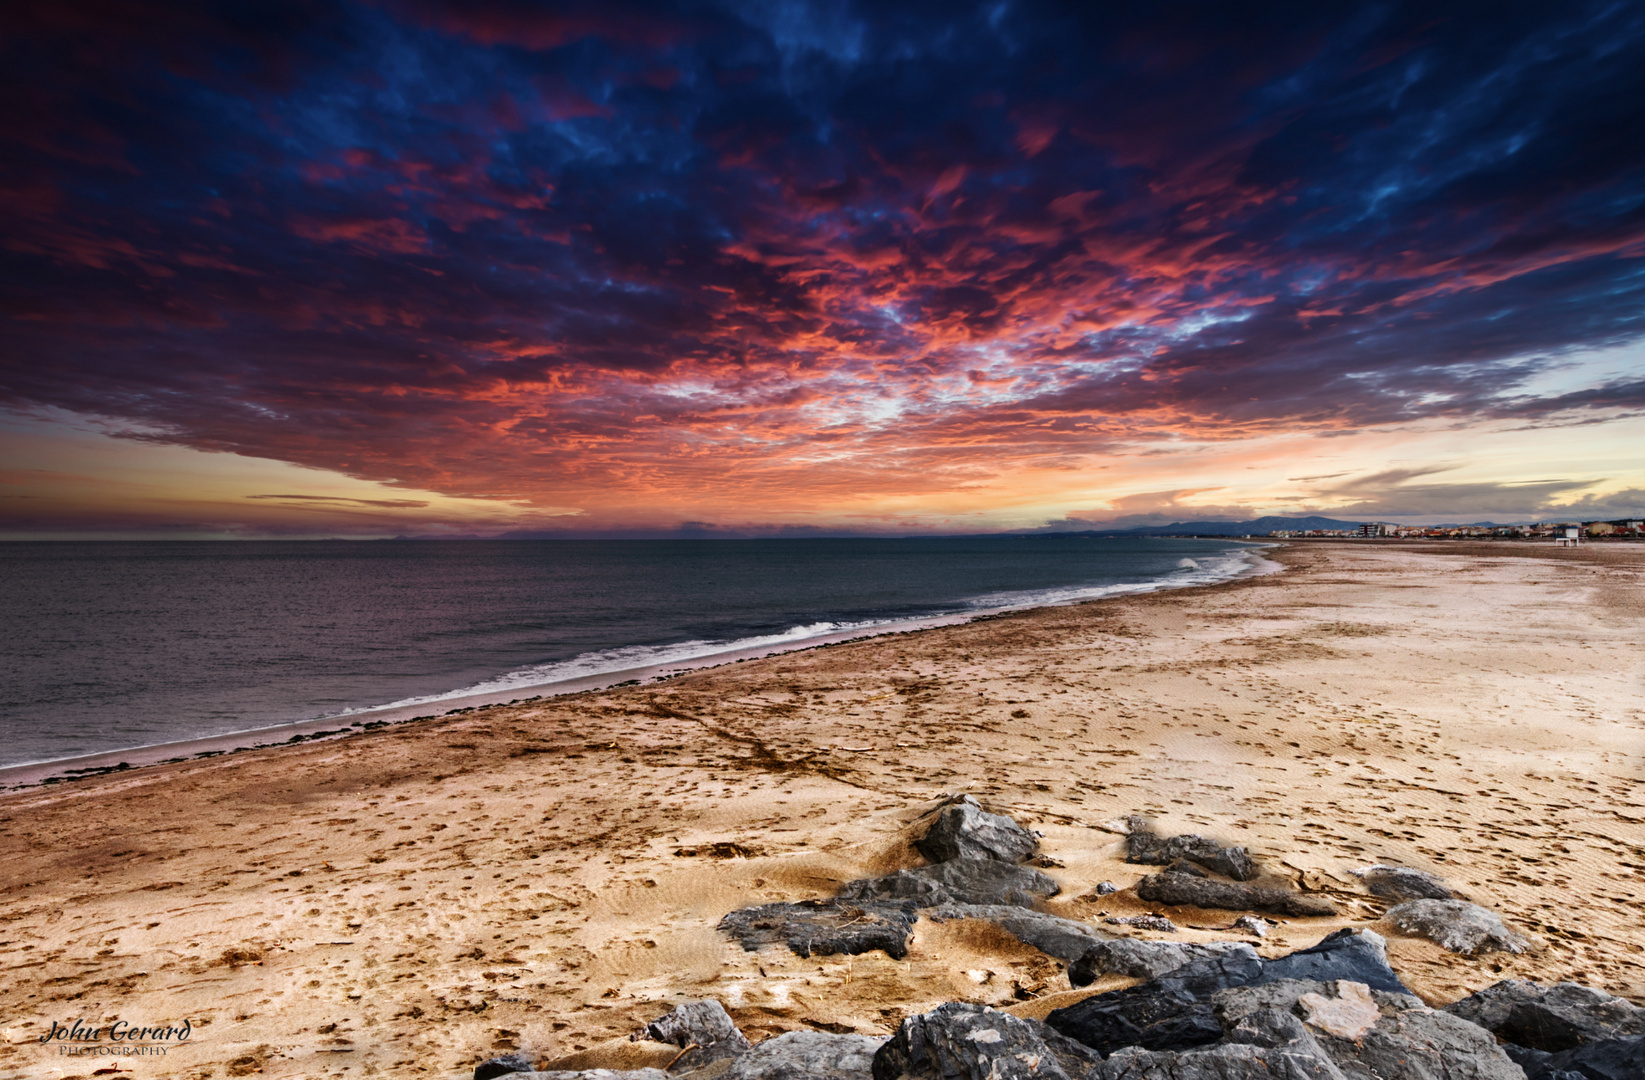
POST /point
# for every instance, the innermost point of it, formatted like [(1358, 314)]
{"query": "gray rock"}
[(1183, 890), (502, 1065), (1266, 1046), (1403, 883), (1104, 888), (1173, 1011), (1550, 1018), (1064, 939), (1146, 959), (595, 1074), (959, 881), (1402, 1039), (705, 1023), (1142, 845), (1607, 1059), (807, 1055), (965, 830), (1456, 925), (1251, 925), (825, 927), (962, 1041)]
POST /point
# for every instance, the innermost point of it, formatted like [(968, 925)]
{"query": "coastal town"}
[(1557, 531)]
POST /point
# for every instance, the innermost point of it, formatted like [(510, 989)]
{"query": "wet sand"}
[(548, 875)]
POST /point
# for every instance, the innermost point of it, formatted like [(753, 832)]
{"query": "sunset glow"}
[(426, 269)]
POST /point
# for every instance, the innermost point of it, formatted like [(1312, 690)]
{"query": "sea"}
[(108, 646)]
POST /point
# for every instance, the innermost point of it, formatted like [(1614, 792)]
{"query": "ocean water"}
[(109, 646)]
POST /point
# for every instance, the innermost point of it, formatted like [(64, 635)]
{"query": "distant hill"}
[(1256, 527)]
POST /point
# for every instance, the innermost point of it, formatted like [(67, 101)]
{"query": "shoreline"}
[(80, 766), (549, 876)]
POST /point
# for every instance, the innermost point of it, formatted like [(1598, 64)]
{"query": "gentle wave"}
[(1206, 571)]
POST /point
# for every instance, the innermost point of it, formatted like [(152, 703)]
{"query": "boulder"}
[(1174, 1011), (595, 1074), (1184, 890), (1550, 1018), (825, 927), (1064, 939), (1606, 1059), (807, 1055), (502, 1065), (962, 1041), (704, 1026), (1142, 845), (960, 881), (1403, 883), (1146, 959), (1267, 1046), (1372, 1033), (964, 830), (1456, 925)]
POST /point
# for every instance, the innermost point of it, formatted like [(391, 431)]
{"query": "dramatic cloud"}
[(649, 261)]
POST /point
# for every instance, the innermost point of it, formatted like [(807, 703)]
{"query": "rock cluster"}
[(976, 873), (1205, 1011)]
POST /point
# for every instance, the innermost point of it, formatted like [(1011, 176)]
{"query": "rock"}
[(1144, 922), (595, 1074), (1173, 1011), (502, 1065), (1139, 959), (1064, 939), (825, 927), (961, 881), (1251, 925), (1183, 866), (1550, 1018), (962, 1041), (1104, 888), (1366, 1033), (1146, 959), (806, 1055), (1181, 889), (1267, 1046), (1403, 883), (1456, 925), (1607, 1059), (1142, 845), (965, 830), (705, 1023)]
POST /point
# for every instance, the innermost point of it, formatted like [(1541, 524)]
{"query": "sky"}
[(407, 267)]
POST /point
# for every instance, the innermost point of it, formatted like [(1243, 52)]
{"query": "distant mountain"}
[(1256, 527)]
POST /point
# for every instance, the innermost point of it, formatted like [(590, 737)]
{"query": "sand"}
[(548, 875)]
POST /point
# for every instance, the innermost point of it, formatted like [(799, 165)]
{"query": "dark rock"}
[(1607, 1059), (1403, 883), (1173, 1011), (1456, 925), (502, 1065), (825, 927), (961, 1041), (965, 830), (1146, 959), (961, 881), (1366, 1033), (1106, 887), (1550, 1018), (1183, 866), (807, 1055), (1142, 845), (1064, 939), (1266, 1046), (1181, 889)]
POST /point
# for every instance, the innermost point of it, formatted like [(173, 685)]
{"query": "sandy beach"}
[(548, 876)]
